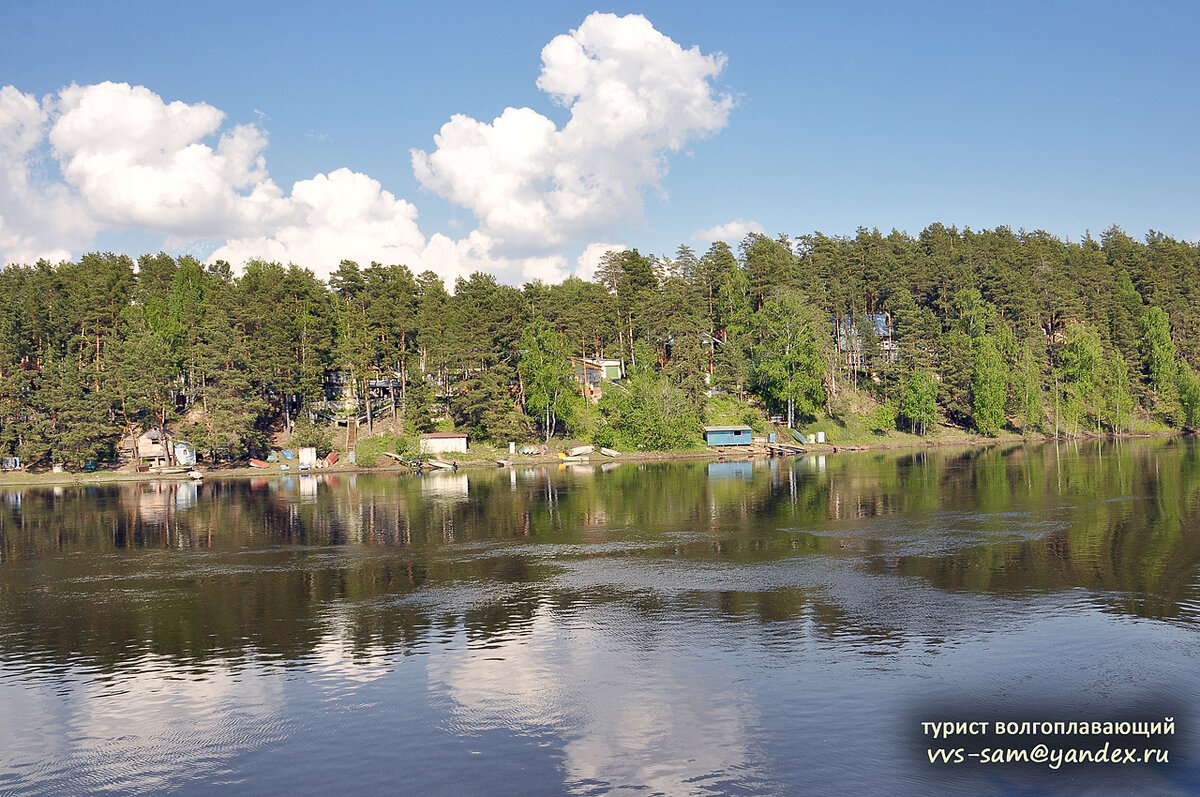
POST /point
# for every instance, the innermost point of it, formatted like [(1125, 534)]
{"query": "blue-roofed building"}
[(727, 435), (850, 346)]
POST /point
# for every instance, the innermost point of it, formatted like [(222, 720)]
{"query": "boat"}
[(171, 470), (195, 475), (331, 458), (608, 452), (579, 451), (437, 463), (257, 463), (567, 459)]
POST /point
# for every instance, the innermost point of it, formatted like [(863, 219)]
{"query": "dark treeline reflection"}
[(275, 568)]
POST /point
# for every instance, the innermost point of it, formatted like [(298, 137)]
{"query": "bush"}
[(725, 410), (652, 414), (882, 419), (754, 419), (603, 434), (369, 449)]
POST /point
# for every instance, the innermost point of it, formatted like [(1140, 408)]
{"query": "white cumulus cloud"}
[(119, 156), (39, 216), (328, 218), (634, 95), (140, 162), (731, 232)]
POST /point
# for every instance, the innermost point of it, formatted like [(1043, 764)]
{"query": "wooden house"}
[(590, 373), (152, 448)]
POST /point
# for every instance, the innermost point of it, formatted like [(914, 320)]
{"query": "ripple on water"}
[(673, 575), (944, 532), (151, 727)]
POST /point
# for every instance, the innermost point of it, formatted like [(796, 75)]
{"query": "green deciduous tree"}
[(1160, 361), (1189, 395), (1027, 386), (1080, 376), (919, 402), (989, 382), (789, 362), (546, 375)]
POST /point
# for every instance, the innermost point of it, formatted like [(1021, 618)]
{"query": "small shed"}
[(185, 453), (444, 443), (727, 435)]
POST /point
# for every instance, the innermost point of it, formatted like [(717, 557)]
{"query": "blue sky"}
[(1064, 117)]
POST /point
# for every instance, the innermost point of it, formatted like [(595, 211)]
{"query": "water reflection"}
[(1118, 521), (611, 608), (126, 734), (660, 731)]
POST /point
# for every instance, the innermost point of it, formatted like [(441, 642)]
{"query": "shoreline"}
[(99, 477)]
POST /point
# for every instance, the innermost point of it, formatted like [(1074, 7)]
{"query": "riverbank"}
[(485, 459)]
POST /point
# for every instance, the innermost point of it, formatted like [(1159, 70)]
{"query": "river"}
[(768, 627)]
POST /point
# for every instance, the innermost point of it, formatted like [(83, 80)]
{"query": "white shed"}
[(308, 456), (444, 443)]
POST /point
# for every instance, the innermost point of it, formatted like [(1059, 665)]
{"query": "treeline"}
[(981, 330)]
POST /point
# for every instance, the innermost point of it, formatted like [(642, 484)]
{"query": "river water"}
[(766, 627)]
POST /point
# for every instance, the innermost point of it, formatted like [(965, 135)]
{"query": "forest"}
[(985, 331)]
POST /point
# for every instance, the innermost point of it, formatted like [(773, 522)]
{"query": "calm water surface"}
[(775, 627)]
